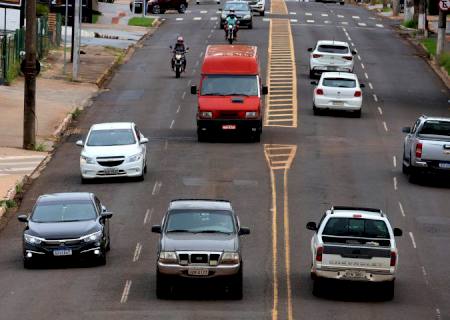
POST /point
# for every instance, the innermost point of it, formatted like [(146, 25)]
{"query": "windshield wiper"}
[(213, 231), (238, 94), (213, 94), (179, 230)]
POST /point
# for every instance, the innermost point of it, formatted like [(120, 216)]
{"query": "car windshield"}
[(332, 49), (113, 137), (64, 211), (236, 6), (438, 128), (339, 83), (226, 85), (354, 227), (197, 221)]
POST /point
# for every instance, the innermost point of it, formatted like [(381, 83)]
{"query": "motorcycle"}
[(179, 62), (230, 32)]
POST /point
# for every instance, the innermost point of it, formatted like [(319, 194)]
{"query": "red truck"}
[(230, 92)]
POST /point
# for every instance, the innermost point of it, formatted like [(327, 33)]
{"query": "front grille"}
[(229, 115), (55, 244), (207, 258), (199, 258), (110, 163)]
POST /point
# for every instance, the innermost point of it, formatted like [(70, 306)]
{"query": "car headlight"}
[(206, 114), (135, 157), (246, 17), (251, 114), (168, 257), (178, 56), (32, 239), (88, 160), (96, 236), (230, 258)]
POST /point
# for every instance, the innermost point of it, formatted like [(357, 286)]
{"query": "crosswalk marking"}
[(308, 14), (19, 164), (294, 20), (344, 22), (197, 18), (340, 16), (324, 15), (213, 18), (379, 25), (310, 21), (362, 24), (203, 11), (179, 19), (355, 17)]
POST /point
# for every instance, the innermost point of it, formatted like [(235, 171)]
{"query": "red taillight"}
[(350, 58), (315, 55), (419, 150), (319, 253), (393, 258), (319, 91), (358, 93)]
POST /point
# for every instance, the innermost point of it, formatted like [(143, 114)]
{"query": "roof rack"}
[(357, 208), (200, 199)]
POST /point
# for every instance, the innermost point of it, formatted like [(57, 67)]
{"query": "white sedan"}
[(115, 149), (338, 91)]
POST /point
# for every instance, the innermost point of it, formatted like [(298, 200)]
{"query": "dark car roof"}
[(66, 196)]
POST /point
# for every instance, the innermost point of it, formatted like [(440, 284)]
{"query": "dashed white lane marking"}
[(413, 240), (324, 15), (380, 111), (375, 98), (148, 216), (362, 66), (395, 183), (189, 83), (345, 30), (203, 11), (126, 291), (213, 18), (366, 75), (179, 108), (184, 94), (385, 126), (308, 14), (370, 85), (340, 16), (294, 20), (344, 22), (362, 24), (171, 124), (137, 252), (352, 44), (355, 17), (310, 21), (379, 25), (201, 55), (401, 209), (359, 57), (424, 272), (197, 18), (156, 188), (179, 19), (394, 161)]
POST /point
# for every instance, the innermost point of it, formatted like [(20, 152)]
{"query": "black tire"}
[(101, 260), (156, 9), (177, 72), (84, 181), (256, 137), (261, 13), (317, 287), (357, 114), (237, 288), (28, 264), (311, 74), (316, 111), (250, 26), (182, 8), (163, 286), (142, 176), (342, 3), (230, 40), (389, 290)]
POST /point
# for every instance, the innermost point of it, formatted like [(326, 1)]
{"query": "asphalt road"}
[(335, 160)]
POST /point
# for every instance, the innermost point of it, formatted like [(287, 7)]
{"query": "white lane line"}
[(172, 123), (340, 16), (308, 14), (326, 21), (179, 19), (359, 57), (203, 11), (395, 183), (375, 98), (348, 37), (355, 17), (345, 30), (324, 15), (183, 95), (189, 83), (370, 85), (413, 240), (201, 55), (394, 161), (126, 291), (310, 21), (424, 272), (194, 71), (178, 109), (362, 66), (366, 75), (156, 188), (266, 19), (148, 216), (137, 252), (362, 24), (380, 111), (197, 18), (294, 20), (213, 18), (438, 314), (401, 209), (344, 22), (352, 44), (379, 25), (385, 126), (198, 62)]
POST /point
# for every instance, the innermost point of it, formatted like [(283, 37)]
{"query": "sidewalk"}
[(56, 99)]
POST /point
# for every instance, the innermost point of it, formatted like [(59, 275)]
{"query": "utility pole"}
[(76, 42), (29, 114), (442, 25), (408, 9), (422, 16)]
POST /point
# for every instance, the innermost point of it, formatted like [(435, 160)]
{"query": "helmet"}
[(180, 40)]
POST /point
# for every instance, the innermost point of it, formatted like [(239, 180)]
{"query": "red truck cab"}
[(230, 92)]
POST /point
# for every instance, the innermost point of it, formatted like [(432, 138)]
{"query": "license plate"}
[(332, 68), (62, 252), (338, 103), (229, 127), (111, 171), (198, 272), (444, 165), (351, 274)]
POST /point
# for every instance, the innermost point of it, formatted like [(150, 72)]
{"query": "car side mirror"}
[(23, 218), (311, 226), (193, 89), (187, 48), (406, 129), (104, 209), (244, 231), (143, 140), (156, 228), (170, 47), (362, 85), (314, 83), (106, 215), (354, 52), (310, 49), (265, 90), (79, 143), (398, 232), (220, 9)]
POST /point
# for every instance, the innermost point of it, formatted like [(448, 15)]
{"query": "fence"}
[(12, 43)]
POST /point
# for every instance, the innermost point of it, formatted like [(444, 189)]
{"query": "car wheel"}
[(182, 8), (84, 180), (342, 3), (156, 9), (357, 113), (316, 111), (261, 13), (389, 290), (163, 286), (101, 260), (250, 26), (236, 291), (28, 264), (311, 74), (317, 287)]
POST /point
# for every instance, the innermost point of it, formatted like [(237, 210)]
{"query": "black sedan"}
[(64, 225)]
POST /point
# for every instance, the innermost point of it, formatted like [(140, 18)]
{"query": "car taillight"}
[(350, 58), (419, 150), (319, 253), (393, 258), (315, 55), (358, 93), (319, 91)]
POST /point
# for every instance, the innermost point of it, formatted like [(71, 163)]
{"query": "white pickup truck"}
[(427, 146), (355, 244)]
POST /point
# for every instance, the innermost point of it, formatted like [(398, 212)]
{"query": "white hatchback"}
[(338, 91), (330, 55), (116, 149)]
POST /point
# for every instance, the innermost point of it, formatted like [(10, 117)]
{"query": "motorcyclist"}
[(231, 20), (180, 48)]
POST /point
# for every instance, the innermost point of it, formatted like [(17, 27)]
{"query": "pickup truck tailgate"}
[(436, 150)]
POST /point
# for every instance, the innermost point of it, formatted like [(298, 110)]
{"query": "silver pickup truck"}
[(427, 146)]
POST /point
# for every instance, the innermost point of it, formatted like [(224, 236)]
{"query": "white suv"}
[(330, 55), (355, 244), (114, 149)]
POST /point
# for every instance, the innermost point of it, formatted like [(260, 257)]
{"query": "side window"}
[(138, 134), (321, 220), (98, 205)]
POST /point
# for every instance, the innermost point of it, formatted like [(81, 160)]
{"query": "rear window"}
[(339, 83), (354, 227), (327, 48), (437, 128)]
